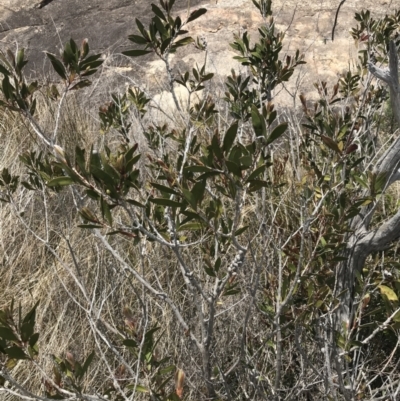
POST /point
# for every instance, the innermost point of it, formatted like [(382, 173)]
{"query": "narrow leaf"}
[(163, 188), (330, 143), (196, 14), (230, 136), (105, 211), (257, 172), (34, 339), (60, 181), (233, 168), (277, 132), (193, 226), (139, 40), (57, 65), (258, 122), (4, 70), (136, 53), (16, 353), (87, 363), (7, 334), (158, 12), (130, 343), (89, 226)]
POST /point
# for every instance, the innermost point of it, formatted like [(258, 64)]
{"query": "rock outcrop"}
[(47, 24)]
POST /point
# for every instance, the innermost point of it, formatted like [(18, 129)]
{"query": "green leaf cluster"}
[(164, 29), (75, 64), (18, 339)]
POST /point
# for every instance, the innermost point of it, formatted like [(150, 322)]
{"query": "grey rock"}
[(48, 24)]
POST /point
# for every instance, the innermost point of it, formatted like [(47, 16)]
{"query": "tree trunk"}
[(363, 241)]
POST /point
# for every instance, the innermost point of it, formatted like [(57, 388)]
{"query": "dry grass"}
[(83, 289)]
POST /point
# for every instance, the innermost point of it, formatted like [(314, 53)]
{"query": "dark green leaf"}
[(257, 172), (190, 198), (130, 343), (170, 4), (110, 170), (230, 136), (87, 363), (163, 188), (277, 132), (105, 211), (158, 12), (81, 84), (139, 40), (177, 25), (135, 203), (241, 230), (210, 272), (198, 169), (141, 27), (183, 42), (32, 108), (257, 184), (8, 89), (160, 27), (198, 191), (148, 337), (258, 121), (233, 290), (136, 53), (4, 70), (27, 185), (196, 14), (132, 161), (233, 168), (106, 178), (207, 77), (16, 353), (131, 151), (205, 176), (92, 194), (91, 61), (34, 339), (57, 65), (215, 146), (245, 162), (7, 334), (165, 44), (27, 330), (379, 182), (217, 264), (272, 117), (80, 159)]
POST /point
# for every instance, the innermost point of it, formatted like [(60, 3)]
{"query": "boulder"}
[(47, 24)]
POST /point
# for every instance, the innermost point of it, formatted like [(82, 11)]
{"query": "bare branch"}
[(336, 17)]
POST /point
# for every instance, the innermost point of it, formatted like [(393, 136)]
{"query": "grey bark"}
[(363, 240)]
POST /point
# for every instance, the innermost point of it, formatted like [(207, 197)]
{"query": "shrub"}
[(221, 258)]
